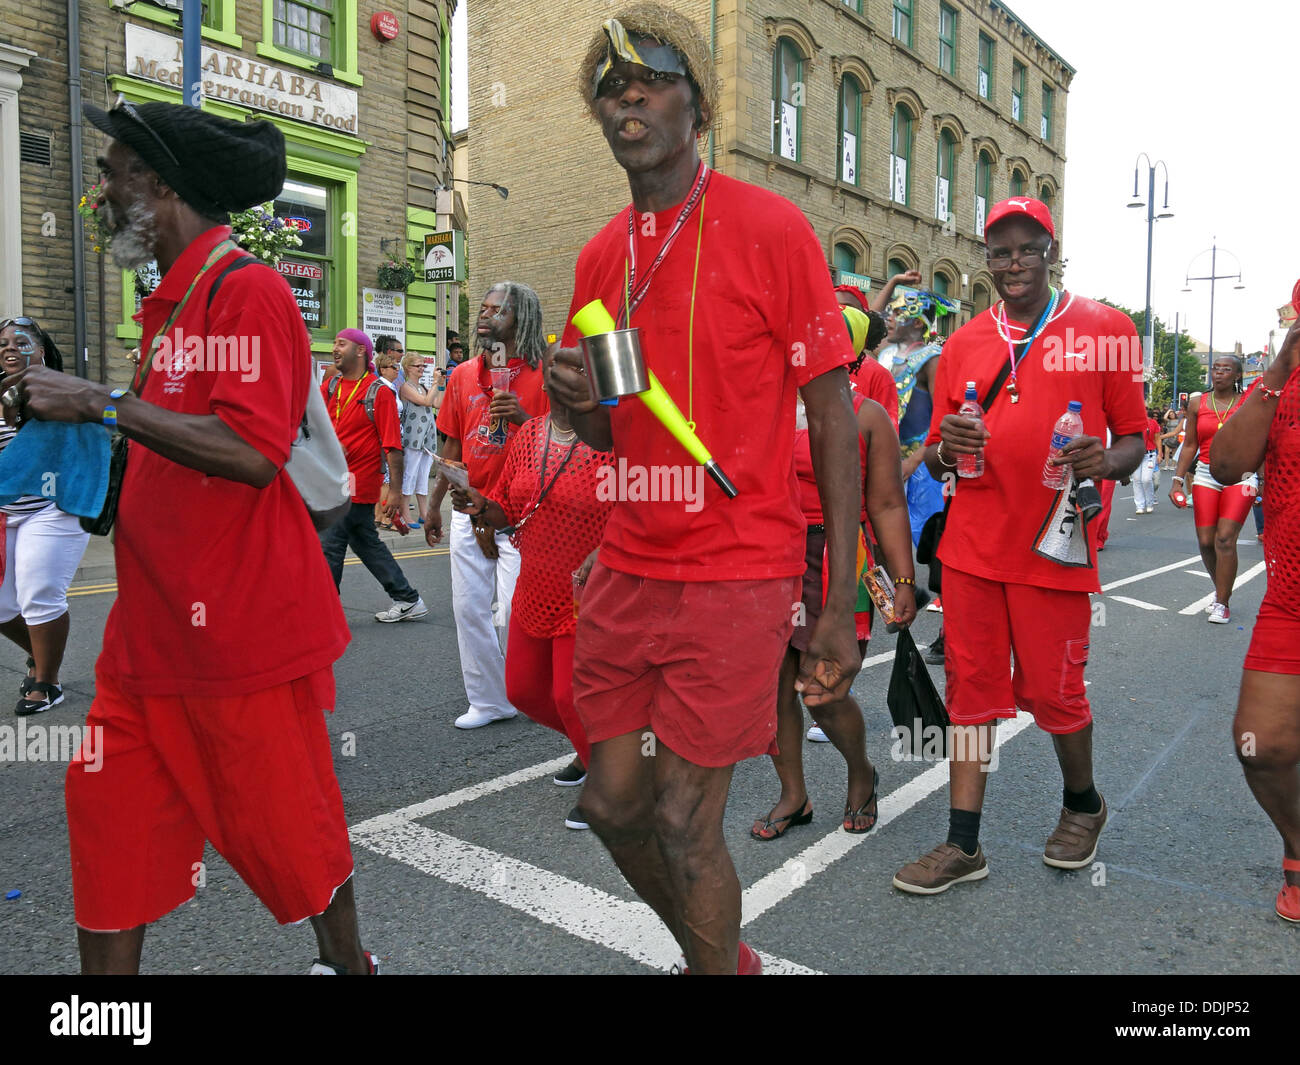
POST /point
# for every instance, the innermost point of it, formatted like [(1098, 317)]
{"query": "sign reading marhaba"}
[(444, 256), (240, 80)]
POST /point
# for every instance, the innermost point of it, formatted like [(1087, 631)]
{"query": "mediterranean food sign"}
[(237, 79), (444, 256)]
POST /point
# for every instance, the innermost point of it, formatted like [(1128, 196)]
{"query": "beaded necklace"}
[(1000, 320)]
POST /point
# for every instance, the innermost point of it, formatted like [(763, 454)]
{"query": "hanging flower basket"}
[(395, 276), (259, 232), (93, 218)]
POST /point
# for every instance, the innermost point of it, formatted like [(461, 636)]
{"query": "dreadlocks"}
[(667, 27), (530, 342)]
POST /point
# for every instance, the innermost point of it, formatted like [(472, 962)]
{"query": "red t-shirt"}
[(364, 442), (464, 415), (1208, 423), (810, 501), (993, 518), (875, 382), (765, 323), (200, 558), (563, 531), (1151, 437)]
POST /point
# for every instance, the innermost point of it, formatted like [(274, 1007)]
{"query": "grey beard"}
[(136, 243)]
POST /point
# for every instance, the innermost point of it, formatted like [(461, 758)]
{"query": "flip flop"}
[(851, 815), (803, 817)]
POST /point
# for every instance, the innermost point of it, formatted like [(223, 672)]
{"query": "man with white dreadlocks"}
[(488, 398)]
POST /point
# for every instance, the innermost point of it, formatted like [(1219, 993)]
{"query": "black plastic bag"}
[(914, 702)]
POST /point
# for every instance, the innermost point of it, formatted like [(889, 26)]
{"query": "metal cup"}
[(614, 364)]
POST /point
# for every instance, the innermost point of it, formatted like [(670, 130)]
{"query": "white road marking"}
[(1136, 602), (782, 883), (1149, 573), (1197, 573), (1205, 600)]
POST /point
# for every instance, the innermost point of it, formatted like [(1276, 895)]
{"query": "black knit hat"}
[(214, 164)]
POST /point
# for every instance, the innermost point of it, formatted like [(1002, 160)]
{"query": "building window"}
[(316, 35), (942, 287), (1045, 123), (895, 267), (309, 270), (947, 39), (1017, 91), (944, 174), (307, 29), (983, 179), (900, 155), (903, 21), (1045, 194), (850, 127), (844, 259), (981, 299), (787, 99), (854, 5), (217, 22), (1017, 182), (986, 67)]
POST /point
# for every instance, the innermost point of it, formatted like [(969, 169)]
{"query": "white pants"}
[(416, 463), (476, 584), (42, 551), (1144, 485)]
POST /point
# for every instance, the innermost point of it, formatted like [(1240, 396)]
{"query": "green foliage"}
[(1191, 376)]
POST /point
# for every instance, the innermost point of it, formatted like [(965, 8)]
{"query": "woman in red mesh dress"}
[(547, 494), (1267, 727)]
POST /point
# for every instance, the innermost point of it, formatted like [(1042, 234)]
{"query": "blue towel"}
[(62, 461)]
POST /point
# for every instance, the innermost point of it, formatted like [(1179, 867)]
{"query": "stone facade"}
[(534, 135), (385, 167)]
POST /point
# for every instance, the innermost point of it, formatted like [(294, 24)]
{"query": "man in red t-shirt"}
[(1018, 558), (688, 610), (218, 654), (488, 398), (364, 413)]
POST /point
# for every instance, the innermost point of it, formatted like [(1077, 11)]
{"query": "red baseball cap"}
[(1026, 205)]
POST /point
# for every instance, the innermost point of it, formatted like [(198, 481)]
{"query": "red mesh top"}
[(1282, 501), (562, 532), (1208, 421)]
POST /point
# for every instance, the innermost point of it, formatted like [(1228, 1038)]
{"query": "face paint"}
[(647, 52)]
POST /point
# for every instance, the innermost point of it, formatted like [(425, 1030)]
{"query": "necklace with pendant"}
[(1004, 327)]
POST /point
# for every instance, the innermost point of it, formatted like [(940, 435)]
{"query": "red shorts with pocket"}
[(252, 773), (1275, 641), (986, 622), (696, 662)]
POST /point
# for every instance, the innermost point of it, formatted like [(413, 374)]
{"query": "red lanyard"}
[(635, 292)]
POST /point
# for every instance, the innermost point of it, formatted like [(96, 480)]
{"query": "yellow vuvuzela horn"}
[(615, 368)]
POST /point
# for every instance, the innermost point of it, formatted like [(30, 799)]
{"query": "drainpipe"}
[(75, 161), (713, 45)]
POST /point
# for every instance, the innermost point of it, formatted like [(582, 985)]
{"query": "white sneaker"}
[(402, 612), (816, 735), (1149, 510), (1219, 615), (476, 718), (1210, 609)]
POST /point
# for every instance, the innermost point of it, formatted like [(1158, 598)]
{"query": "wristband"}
[(938, 454), (1269, 393), (905, 580), (109, 416)]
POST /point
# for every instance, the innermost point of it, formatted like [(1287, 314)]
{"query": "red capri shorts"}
[(696, 662), (1275, 641), (252, 773), (986, 622)]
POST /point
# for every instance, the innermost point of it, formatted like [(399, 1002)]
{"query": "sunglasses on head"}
[(127, 108)]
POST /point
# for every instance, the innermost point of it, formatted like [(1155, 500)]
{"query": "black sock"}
[(1082, 802), (964, 829)]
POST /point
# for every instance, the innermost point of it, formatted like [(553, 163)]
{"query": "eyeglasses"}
[(1027, 256), (127, 108)]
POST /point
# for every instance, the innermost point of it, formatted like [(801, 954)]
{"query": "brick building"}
[(366, 122), (893, 125)]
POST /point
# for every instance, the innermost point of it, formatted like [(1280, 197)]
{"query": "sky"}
[(1200, 86)]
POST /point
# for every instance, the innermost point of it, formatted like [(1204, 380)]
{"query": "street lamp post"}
[(1212, 277), (1148, 341)]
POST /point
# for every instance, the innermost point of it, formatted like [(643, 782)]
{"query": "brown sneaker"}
[(937, 871), (1074, 843)]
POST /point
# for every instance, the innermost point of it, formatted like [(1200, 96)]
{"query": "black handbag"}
[(914, 703)]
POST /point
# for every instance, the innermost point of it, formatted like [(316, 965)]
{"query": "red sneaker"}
[(1288, 899), (748, 963)]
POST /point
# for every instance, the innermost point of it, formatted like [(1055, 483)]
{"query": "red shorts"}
[(1228, 503), (986, 622), (694, 661), (1275, 642), (252, 773)]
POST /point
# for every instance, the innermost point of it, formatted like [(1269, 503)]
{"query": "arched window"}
[(1017, 183), (845, 258), (942, 286), (900, 156), (946, 172), (895, 267), (1045, 194), (850, 127), (981, 298), (983, 182), (787, 99)]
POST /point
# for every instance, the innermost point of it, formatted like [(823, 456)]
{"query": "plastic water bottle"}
[(1068, 426), (971, 465)]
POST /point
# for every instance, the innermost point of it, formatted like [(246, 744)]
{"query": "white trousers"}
[(481, 590), (1144, 483), (42, 551)]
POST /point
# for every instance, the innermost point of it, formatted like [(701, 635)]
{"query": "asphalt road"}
[(488, 880)]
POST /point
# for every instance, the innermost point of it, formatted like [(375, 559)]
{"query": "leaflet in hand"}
[(457, 476)]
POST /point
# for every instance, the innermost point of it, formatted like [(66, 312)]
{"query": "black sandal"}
[(803, 817), (53, 696), (851, 815)]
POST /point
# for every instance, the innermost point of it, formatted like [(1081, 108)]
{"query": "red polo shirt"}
[(364, 441), (222, 587)]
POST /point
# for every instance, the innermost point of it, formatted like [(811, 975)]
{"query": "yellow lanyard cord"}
[(340, 403), (690, 326)]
